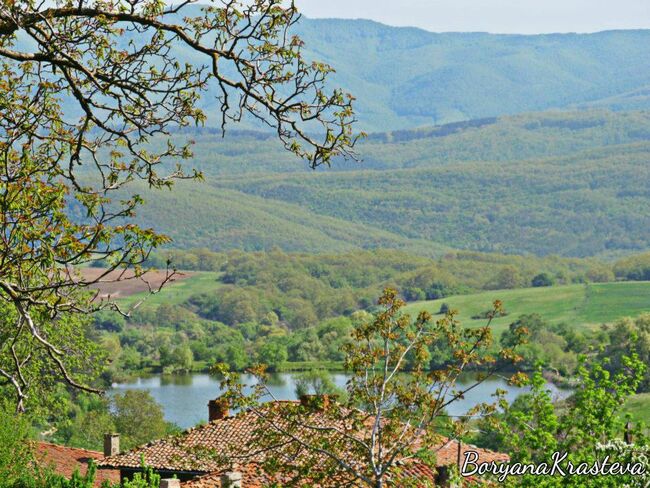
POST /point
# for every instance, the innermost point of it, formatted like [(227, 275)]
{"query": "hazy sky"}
[(501, 16)]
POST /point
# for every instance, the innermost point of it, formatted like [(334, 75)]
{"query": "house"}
[(65, 460), (207, 455)]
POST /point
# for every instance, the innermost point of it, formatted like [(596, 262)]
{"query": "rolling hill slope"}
[(409, 77), (513, 138), (572, 184), (572, 206), (577, 305), (199, 215)]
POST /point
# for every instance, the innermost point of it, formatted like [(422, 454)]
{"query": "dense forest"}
[(530, 184)]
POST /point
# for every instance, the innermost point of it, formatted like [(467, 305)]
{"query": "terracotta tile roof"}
[(203, 449), (253, 476), (447, 453), (209, 449), (191, 450), (65, 460)]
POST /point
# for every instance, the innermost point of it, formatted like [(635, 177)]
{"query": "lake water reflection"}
[(184, 398)]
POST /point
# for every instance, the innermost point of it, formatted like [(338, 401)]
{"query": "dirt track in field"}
[(128, 285)]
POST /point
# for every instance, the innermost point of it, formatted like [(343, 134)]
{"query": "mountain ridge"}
[(409, 77), (571, 184), (406, 77)]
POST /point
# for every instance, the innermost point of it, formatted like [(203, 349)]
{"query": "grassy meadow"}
[(178, 291), (584, 305), (581, 305), (638, 407)]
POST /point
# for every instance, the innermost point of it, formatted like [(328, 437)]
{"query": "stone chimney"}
[(231, 479), (170, 483), (218, 409), (111, 444)]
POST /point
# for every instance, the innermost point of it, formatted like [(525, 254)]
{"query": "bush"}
[(109, 321), (414, 294), (315, 382), (542, 279), (139, 419), (489, 314), (16, 456)]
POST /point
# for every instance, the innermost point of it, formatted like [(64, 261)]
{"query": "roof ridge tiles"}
[(70, 448)]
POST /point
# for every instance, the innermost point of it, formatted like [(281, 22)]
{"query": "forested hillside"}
[(538, 183)]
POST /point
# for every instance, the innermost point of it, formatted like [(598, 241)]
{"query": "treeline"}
[(301, 288), (173, 339), (633, 268), (557, 347), (278, 308), (359, 269)]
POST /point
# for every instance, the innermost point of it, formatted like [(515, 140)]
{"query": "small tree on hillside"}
[(542, 279), (139, 418), (394, 404)]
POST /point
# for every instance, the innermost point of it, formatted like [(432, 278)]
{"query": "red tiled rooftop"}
[(207, 450), (65, 460), (447, 453), (253, 476)]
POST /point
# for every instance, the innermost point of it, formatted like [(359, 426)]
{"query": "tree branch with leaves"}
[(87, 89)]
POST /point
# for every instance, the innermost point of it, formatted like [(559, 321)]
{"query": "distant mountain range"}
[(406, 77), (570, 179)]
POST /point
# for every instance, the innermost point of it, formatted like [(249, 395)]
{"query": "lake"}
[(184, 398)]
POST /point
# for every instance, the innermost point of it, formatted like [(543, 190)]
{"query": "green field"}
[(177, 292), (584, 305), (638, 407), (580, 305)]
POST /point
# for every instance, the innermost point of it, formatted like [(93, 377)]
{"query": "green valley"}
[(385, 246)]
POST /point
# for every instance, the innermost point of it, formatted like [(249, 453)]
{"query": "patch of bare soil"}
[(127, 284)]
